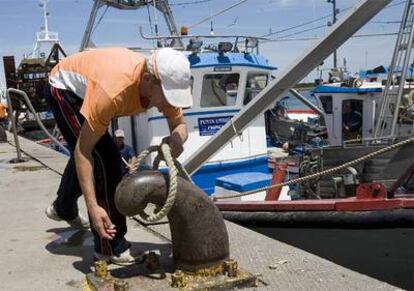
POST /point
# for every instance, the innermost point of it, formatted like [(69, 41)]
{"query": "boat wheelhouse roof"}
[(383, 70), (334, 89), (214, 59)]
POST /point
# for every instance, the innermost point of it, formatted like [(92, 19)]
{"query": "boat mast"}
[(335, 11), (161, 5)]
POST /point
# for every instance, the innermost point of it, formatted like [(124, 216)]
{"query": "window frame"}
[(240, 84), (248, 75)]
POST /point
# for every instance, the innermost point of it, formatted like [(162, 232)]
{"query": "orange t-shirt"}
[(108, 82), (2, 111)]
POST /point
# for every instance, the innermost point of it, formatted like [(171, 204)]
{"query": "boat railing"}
[(369, 141), (124, 4), (36, 116), (195, 41)]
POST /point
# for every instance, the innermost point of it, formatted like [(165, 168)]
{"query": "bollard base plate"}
[(94, 283), (138, 277)]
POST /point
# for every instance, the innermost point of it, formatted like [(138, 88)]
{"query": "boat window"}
[(219, 90), (255, 83), (326, 103)]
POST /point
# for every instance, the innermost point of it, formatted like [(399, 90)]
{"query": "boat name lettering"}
[(210, 125)]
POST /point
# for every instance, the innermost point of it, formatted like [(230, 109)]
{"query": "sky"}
[(21, 19)]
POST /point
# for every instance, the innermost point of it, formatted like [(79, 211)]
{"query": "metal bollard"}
[(199, 237), (203, 244)]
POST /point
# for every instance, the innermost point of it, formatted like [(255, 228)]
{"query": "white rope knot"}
[(164, 153)]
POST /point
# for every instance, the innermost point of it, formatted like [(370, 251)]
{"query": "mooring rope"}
[(174, 169), (319, 174)]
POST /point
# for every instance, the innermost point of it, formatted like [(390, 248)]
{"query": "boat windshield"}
[(219, 90), (255, 83)]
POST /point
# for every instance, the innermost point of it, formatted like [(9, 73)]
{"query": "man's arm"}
[(178, 136), (84, 168)]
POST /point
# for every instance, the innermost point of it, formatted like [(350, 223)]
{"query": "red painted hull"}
[(348, 204)]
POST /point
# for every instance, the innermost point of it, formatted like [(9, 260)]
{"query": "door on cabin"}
[(352, 120)]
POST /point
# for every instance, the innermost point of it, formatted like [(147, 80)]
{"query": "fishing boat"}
[(31, 76)]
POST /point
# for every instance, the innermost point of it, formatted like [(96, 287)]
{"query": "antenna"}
[(155, 17), (43, 5), (211, 20)]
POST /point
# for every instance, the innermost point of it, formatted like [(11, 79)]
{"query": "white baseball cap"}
[(119, 133), (172, 68)]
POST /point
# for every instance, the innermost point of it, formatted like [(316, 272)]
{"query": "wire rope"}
[(218, 13)]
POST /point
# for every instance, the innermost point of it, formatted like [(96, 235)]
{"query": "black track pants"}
[(107, 170)]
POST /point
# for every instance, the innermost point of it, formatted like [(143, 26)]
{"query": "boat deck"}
[(40, 254)]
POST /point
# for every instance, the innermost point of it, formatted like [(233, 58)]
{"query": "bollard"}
[(199, 236)]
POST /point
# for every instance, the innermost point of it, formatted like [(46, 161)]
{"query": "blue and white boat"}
[(366, 99)]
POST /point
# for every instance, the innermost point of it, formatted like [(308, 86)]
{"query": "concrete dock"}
[(40, 254)]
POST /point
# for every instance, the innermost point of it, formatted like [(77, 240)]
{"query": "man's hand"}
[(175, 143), (178, 136), (102, 223)]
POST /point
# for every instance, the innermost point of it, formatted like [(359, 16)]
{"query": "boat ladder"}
[(389, 111)]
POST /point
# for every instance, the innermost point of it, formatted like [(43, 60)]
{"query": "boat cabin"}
[(349, 113)]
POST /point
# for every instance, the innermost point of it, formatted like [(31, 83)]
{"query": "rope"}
[(319, 174), (174, 168)]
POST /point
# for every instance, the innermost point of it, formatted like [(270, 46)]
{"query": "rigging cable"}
[(189, 3), (396, 4), (324, 17), (302, 24), (297, 26), (99, 20), (211, 19), (217, 14), (314, 38), (150, 23), (302, 31), (155, 17)]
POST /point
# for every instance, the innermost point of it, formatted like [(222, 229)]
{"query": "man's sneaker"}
[(80, 222), (124, 259)]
